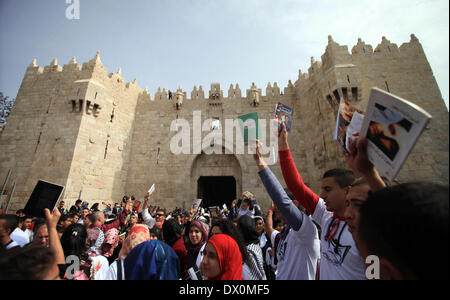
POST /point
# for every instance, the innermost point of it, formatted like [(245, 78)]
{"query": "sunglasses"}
[(160, 215)]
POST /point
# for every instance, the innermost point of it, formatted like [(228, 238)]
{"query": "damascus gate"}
[(85, 128)]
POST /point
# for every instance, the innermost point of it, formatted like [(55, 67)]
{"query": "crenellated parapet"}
[(33, 70), (72, 66), (338, 75), (290, 89), (315, 68), (117, 77), (413, 46), (361, 48), (234, 93), (131, 85), (94, 67), (386, 47), (146, 95), (335, 54), (337, 71), (272, 92), (198, 94), (161, 95), (53, 67)]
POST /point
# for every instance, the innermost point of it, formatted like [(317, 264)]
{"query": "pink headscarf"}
[(111, 238), (204, 230)]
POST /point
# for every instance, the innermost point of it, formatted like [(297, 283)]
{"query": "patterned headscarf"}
[(95, 240), (111, 238), (138, 234)]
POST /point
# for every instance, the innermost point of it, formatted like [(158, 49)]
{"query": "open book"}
[(392, 126), (196, 204)]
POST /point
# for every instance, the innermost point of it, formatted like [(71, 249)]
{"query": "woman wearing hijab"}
[(259, 226), (152, 260), (222, 259), (265, 245), (196, 240), (99, 263), (227, 227), (110, 244), (137, 235), (95, 241), (75, 242), (172, 233), (255, 269)]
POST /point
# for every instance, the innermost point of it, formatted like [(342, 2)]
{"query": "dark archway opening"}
[(216, 190)]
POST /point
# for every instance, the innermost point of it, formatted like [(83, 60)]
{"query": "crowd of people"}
[(303, 236)]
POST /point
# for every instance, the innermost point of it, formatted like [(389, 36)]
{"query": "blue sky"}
[(167, 43)]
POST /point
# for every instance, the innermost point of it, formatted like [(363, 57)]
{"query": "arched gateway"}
[(216, 178)]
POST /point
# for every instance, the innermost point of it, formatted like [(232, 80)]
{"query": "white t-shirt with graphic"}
[(340, 258), (298, 253)]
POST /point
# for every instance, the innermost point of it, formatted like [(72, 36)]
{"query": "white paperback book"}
[(349, 120), (355, 126), (392, 126), (152, 189)]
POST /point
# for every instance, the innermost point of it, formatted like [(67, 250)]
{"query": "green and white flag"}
[(249, 127)]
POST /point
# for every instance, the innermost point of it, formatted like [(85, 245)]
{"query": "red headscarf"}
[(230, 258)]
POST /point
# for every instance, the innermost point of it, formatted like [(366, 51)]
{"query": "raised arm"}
[(278, 195), (232, 213), (269, 222), (54, 242), (146, 216), (146, 199), (290, 212), (307, 198), (358, 161)]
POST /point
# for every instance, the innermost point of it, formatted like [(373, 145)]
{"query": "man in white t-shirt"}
[(296, 251), (22, 234), (297, 246), (340, 259)]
